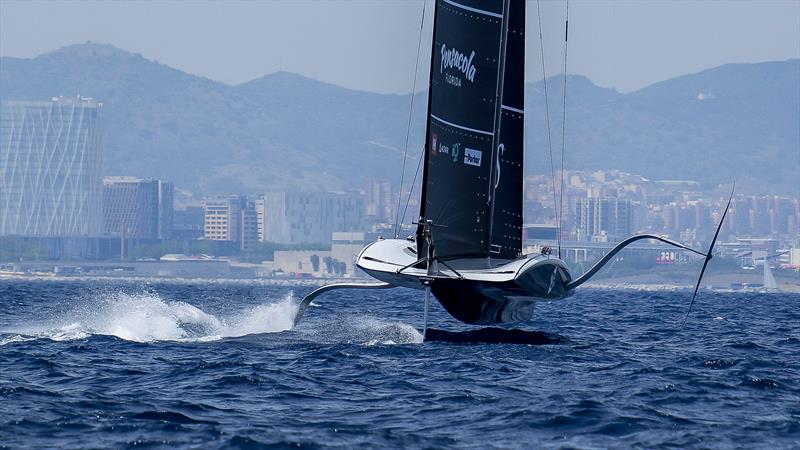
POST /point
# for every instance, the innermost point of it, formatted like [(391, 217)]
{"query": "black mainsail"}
[(472, 179)]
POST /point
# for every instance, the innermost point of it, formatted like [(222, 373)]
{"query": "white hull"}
[(472, 290)]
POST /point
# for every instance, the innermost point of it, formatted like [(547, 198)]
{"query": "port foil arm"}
[(605, 259), (301, 308)]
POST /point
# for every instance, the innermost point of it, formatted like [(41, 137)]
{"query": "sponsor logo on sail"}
[(454, 59), (501, 149), (452, 151), (472, 157)]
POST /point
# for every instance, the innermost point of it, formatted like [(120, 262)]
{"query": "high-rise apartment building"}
[(381, 202), (249, 226), (763, 216), (166, 209), (606, 218), (687, 221), (738, 223), (137, 207), (223, 218), (261, 212), (231, 218), (51, 168)]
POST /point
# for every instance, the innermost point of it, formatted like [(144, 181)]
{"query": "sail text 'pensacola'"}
[(455, 59)]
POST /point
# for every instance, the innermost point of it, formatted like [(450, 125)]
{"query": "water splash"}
[(266, 318), (146, 317), (366, 330)]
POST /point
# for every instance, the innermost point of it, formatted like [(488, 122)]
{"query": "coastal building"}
[(307, 217), (188, 223), (794, 258), (166, 209), (261, 211), (139, 208), (381, 202), (339, 261), (764, 216), (739, 223), (50, 168), (783, 216), (603, 219), (222, 218), (231, 218), (249, 226), (687, 221)]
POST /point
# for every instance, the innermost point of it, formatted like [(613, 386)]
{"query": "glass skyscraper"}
[(137, 207), (51, 168)]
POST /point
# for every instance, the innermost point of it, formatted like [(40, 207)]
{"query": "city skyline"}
[(143, 208)]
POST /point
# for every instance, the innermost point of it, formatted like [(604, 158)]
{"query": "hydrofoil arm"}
[(599, 265), (301, 309)]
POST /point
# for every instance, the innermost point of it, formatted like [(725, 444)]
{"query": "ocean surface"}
[(88, 364)]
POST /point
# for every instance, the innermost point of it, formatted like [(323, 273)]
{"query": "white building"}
[(223, 218), (231, 218), (339, 261), (51, 168), (794, 257)]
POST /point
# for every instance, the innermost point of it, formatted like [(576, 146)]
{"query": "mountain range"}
[(736, 121)]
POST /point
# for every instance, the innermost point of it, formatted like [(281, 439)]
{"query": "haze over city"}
[(399, 224)]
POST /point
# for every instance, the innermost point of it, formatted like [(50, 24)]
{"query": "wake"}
[(364, 330), (146, 317)]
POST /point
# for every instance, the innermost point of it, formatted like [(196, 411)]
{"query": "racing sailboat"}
[(467, 251)]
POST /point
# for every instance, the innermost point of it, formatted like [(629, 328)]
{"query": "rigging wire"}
[(413, 182), (547, 114), (397, 225), (563, 128)]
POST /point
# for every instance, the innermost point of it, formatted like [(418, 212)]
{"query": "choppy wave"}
[(615, 370)]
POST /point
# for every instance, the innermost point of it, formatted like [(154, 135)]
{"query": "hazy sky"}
[(372, 44)]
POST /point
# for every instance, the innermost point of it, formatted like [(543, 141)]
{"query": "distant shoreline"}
[(299, 282)]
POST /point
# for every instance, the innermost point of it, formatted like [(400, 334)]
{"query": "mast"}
[(505, 233), (494, 168), (421, 218)]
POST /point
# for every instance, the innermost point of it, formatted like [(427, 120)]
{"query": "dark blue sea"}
[(88, 364)]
